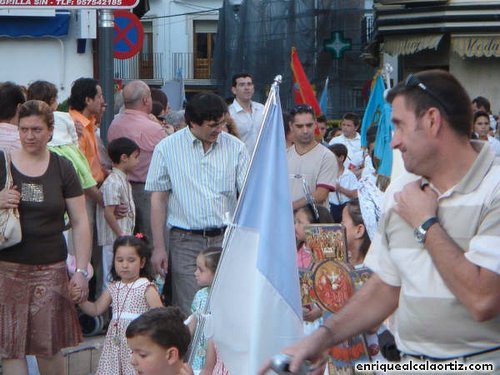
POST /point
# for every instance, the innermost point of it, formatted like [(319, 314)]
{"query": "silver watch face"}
[(419, 234), (83, 272)]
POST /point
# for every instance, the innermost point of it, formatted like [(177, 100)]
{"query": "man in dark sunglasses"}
[(436, 258), (311, 165)]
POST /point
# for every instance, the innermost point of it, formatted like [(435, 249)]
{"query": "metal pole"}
[(106, 71)]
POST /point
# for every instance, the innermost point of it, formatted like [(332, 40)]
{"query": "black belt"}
[(463, 357), (137, 182), (209, 232)]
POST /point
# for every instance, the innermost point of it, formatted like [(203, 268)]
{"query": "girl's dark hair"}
[(42, 90), (324, 216), (141, 245), (212, 256), (232, 128), (159, 96), (354, 210)]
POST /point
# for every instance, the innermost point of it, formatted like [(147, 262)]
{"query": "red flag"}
[(302, 89)]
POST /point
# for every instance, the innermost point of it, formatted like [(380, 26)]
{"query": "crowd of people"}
[(155, 203)]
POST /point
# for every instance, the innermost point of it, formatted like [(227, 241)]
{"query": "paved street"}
[(83, 359)]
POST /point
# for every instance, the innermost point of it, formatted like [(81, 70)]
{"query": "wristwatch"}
[(85, 273), (420, 232)]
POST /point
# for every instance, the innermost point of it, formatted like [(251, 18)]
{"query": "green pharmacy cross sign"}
[(337, 44)]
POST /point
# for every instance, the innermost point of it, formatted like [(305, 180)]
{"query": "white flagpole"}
[(201, 318)]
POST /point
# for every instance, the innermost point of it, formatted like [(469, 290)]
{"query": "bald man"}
[(135, 123)]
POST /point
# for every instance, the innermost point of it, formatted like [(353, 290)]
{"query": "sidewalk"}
[(82, 359)]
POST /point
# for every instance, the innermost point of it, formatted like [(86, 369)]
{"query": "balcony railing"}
[(192, 68), (151, 66), (140, 66), (184, 62)]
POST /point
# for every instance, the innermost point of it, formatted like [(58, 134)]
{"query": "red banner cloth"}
[(302, 89)]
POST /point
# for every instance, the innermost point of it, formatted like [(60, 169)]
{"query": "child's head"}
[(44, 91), (340, 152), (159, 340), (481, 121), (306, 215), (124, 150), (357, 237), (206, 265), (350, 124), (336, 131), (131, 259)]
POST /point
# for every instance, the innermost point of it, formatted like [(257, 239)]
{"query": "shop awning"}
[(476, 45), (408, 45), (57, 25)]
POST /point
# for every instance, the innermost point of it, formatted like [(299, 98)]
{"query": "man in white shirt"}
[(246, 113), (352, 140)]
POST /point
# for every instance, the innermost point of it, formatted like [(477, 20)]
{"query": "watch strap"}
[(429, 222)]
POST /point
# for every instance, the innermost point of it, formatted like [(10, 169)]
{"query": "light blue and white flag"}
[(255, 300), (175, 91), (383, 149), (375, 108), (323, 99), (378, 113)]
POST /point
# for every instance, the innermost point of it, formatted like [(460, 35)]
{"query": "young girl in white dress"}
[(131, 293)]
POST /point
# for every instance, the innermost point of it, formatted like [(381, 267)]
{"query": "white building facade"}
[(46, 44)]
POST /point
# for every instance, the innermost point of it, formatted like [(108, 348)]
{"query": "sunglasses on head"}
[(413, 81)]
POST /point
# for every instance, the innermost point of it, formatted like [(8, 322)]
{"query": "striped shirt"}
[(203, 186), (115, 190), (430, 320)]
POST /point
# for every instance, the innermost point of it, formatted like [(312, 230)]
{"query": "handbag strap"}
[(8, 173)]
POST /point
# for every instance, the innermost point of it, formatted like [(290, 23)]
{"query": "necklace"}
[(116, 339)]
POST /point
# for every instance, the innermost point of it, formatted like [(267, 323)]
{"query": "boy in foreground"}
[(159, 340)]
